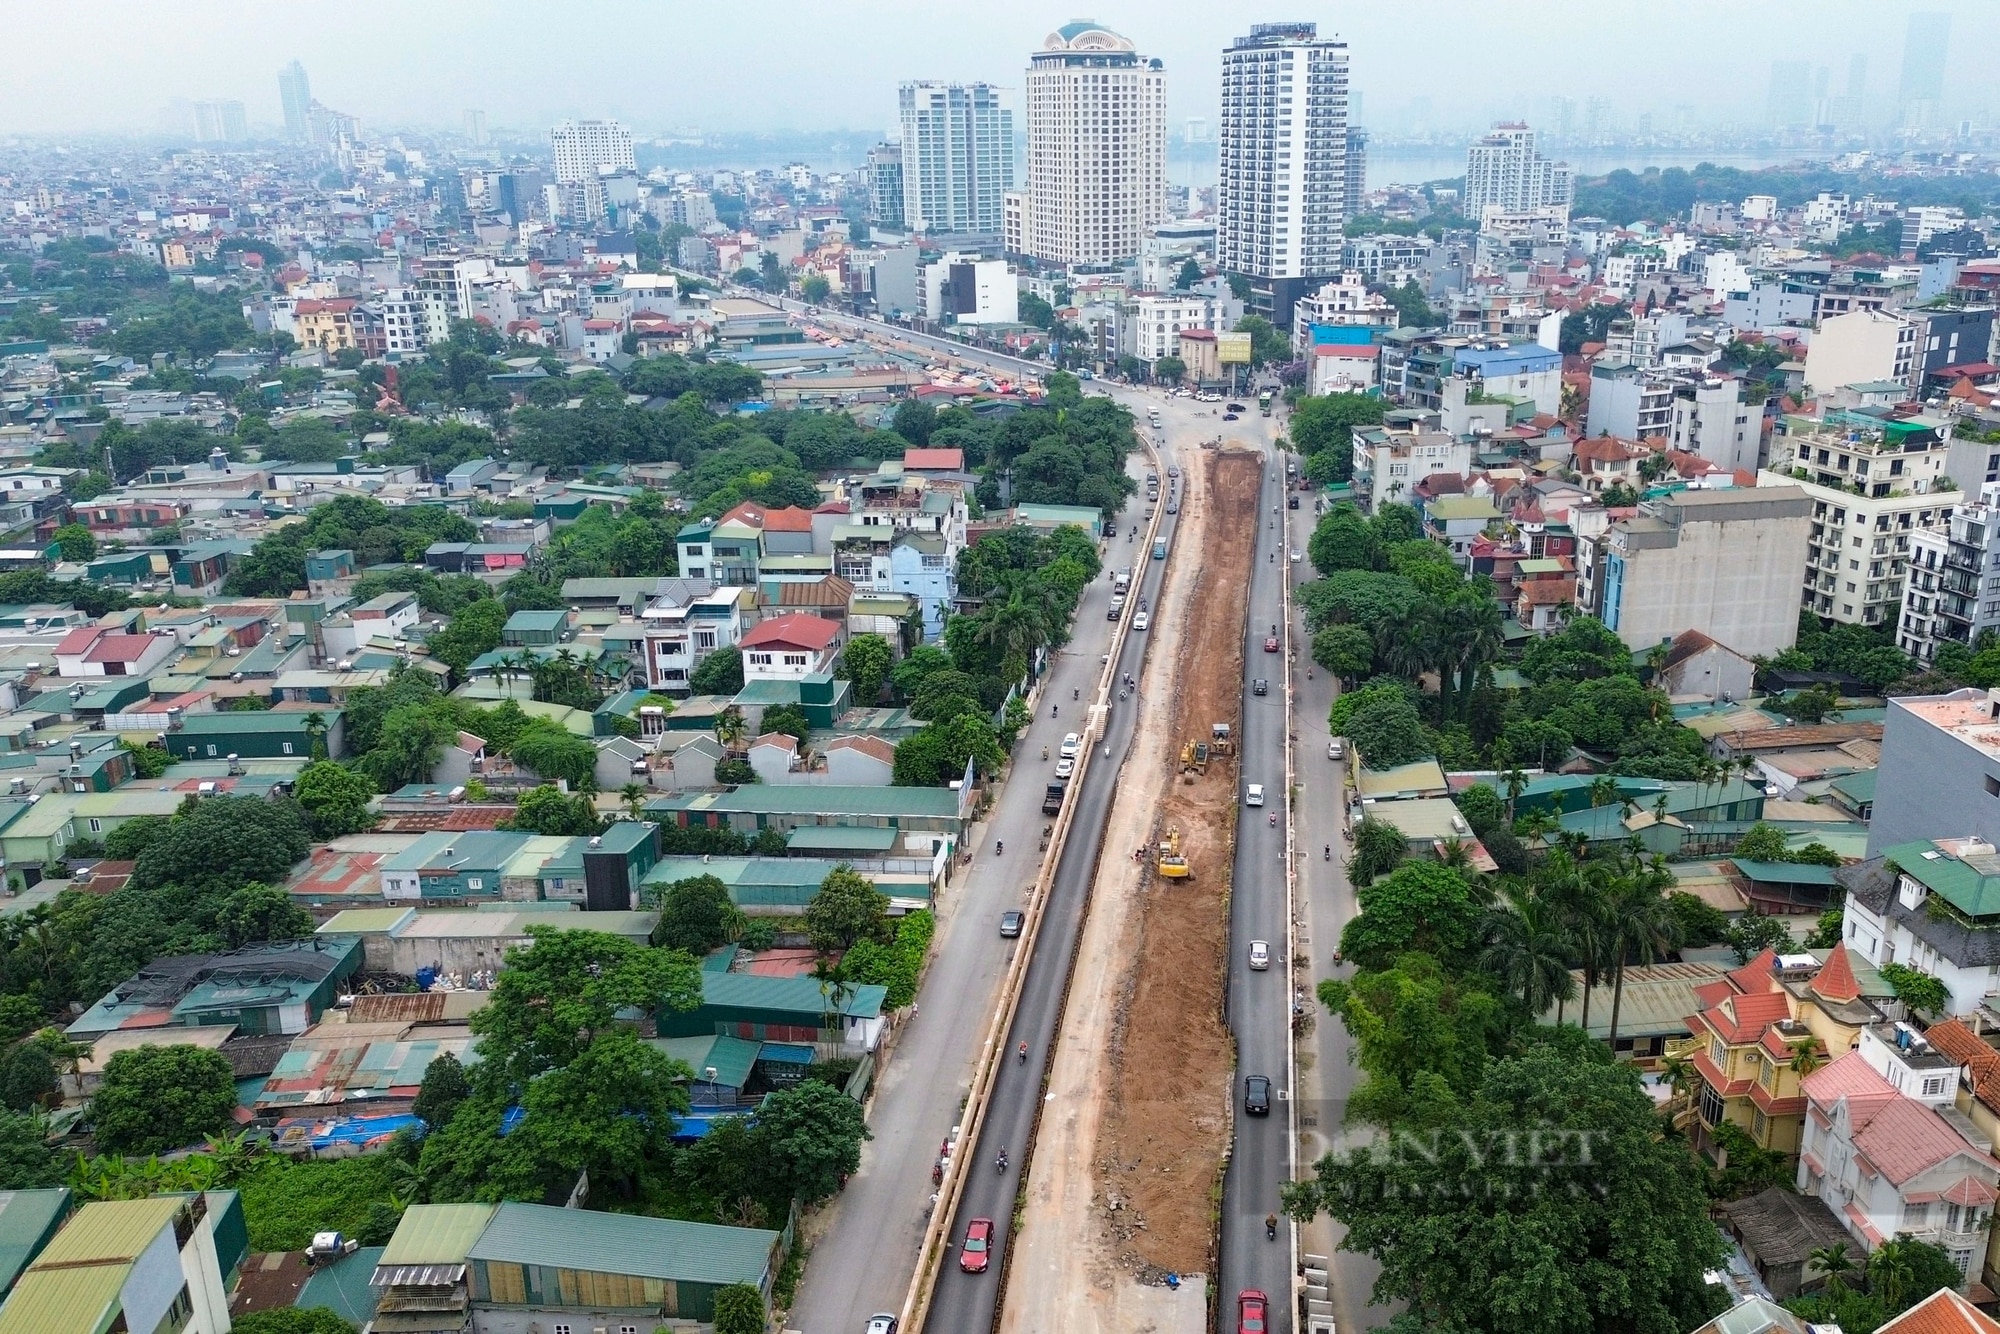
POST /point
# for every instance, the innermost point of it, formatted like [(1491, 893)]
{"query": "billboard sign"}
[(1233, 349)]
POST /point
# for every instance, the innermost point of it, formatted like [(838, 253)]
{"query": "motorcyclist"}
[(1328, 854), (1000, 1162), (999, 846), (1022, 1051), (1271, 1226)]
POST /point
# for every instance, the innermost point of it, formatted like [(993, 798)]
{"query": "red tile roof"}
[(1943, 1312), (1961, 1044), (1743, 1019), (120, 648), (1757, 975), (935, 460), (790, 519), (1836, 980), (796, 630)]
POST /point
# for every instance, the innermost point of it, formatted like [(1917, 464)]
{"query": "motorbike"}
[(1076, 694), (1022, 1052), (1270, 1227), (1336, 956), (1329, 852), (999, 846), (1274, 819), (1045, 752), (1000, 1162)]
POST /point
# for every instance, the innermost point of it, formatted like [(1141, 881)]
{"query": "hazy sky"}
[(801, 64)]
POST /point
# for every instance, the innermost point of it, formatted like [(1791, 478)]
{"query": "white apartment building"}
[(1860, 540), (1156, 320), (405, 326), (1342, 300), (446, 286), (1503, 171), (1952, 591), (966, 289), (1281, 191), (587, 149), (1387, 259), (1861, 347), (957, 157), (1097, 147), (1389, 461), (1711, 419)]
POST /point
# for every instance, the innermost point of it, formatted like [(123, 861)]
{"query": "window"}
[(96, 825), (1933, 1085), (288, 747), (1758, 1124), (211, 750), (1719, 1054), (1711, 1106), (561, 1329), (1992, 786), (475, 882)]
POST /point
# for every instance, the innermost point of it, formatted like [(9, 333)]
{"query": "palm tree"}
[(315, 726), (1805, 1057), (1472, 629), (1579, 902), (1013, 628), (1516, 783), (1831, 1261), (1891, 1270), (1527, 950), (1537, 824), (634, 797), (1603, 791), (730, 728), (1456, 855), (1409, 644), (1646, 930), (1679, 1071)]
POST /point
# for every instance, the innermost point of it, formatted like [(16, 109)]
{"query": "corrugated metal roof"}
[(436, 1234), (109, 1232), (581, 1239), (25, 1219), (62, 1299)]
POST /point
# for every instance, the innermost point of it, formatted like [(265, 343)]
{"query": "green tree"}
[(1323, 426), (1482, 808), (1918, 990), (1189, 275), (846, 909), (1267, 344), (224, 842), (26, 1161), (1345, 651), (552, 752), (253, 913), (739, 1309), (334, 799), (76, 542), (1412, 1025), (556, 995), (865, 662), (1169, 370), (697, 915), (811, 1134), (1762, 843), (549, 810), (1388, 733), (28, 1078), (1418, 906), (154, 1099), (410, 740), (814, 287), (914, 420), (474, 630), (445, 1086), (720, 673), (1379, 847), (1547, 1201), (787, 720), (290, 1320)]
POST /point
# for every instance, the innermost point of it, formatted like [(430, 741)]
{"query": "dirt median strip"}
[(1167, 1124)]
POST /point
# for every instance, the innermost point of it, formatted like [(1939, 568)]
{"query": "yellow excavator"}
[(1194, 757), (1171, 864)]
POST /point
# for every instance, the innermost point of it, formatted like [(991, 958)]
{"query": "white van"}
[(1254, 795)]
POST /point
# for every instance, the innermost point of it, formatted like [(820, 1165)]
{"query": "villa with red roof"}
[(786, 648), (1766, 1026), (1883, 1154)]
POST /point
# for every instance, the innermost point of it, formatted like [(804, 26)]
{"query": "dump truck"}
[(1171, 864), (1052, 799)]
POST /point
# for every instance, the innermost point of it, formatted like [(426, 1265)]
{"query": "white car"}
[(1254, 795), (1334, 750), (1071, 745), (1065, 766), (1260, 955), (1295, 554), (1141, 621)]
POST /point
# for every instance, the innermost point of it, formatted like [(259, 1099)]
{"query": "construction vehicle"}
[(1194, 757), (1219, 743), (1172, 865)]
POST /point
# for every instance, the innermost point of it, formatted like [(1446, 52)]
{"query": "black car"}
[(1233, 407), (1291, 502), (1260, 687), (1011, 922), (1257, 1096), (1229, 416)]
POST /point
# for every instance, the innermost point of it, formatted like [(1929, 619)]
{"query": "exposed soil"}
[(1166, 1124)]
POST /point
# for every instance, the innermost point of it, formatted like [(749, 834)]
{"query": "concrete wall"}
[(1930, 785), (1737, 581)]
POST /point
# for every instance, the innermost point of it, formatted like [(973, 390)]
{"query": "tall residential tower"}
[(1097, 147), (586, 149), (1282, 180), (296, 93), (1503, 171), (958, 156)]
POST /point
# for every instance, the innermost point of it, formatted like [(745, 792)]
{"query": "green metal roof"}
[(1857, 788), (27, 1218), (437, 1234), (1970, 884), (732, 1058), (838, 838), (269, 720), (600, 1243), (753, 992), (343, 1288), (1784, 873), (799, 799)]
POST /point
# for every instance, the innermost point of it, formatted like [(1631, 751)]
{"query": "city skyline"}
[(137, 61)]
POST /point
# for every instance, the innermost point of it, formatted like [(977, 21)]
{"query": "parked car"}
[(1253, 795), (1071, 744), (1252, 1311), (973, 1254), (1011, 922), (1260, 687), (881, 1324), (1235, 407), (1334, 749), (1065, 766), (1270, 643), (1229, 416), (1257, 1095), (1260, 955), (1291, 503), (1295, 555)]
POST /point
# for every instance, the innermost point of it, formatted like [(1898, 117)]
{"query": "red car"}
[(1270, 643), (1250, 1311), (974, 1255)]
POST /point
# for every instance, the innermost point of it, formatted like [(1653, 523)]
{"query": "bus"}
[(1264, 402)]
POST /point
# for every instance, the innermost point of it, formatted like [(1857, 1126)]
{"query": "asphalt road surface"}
[(968, 1303), (1260, 1002)]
